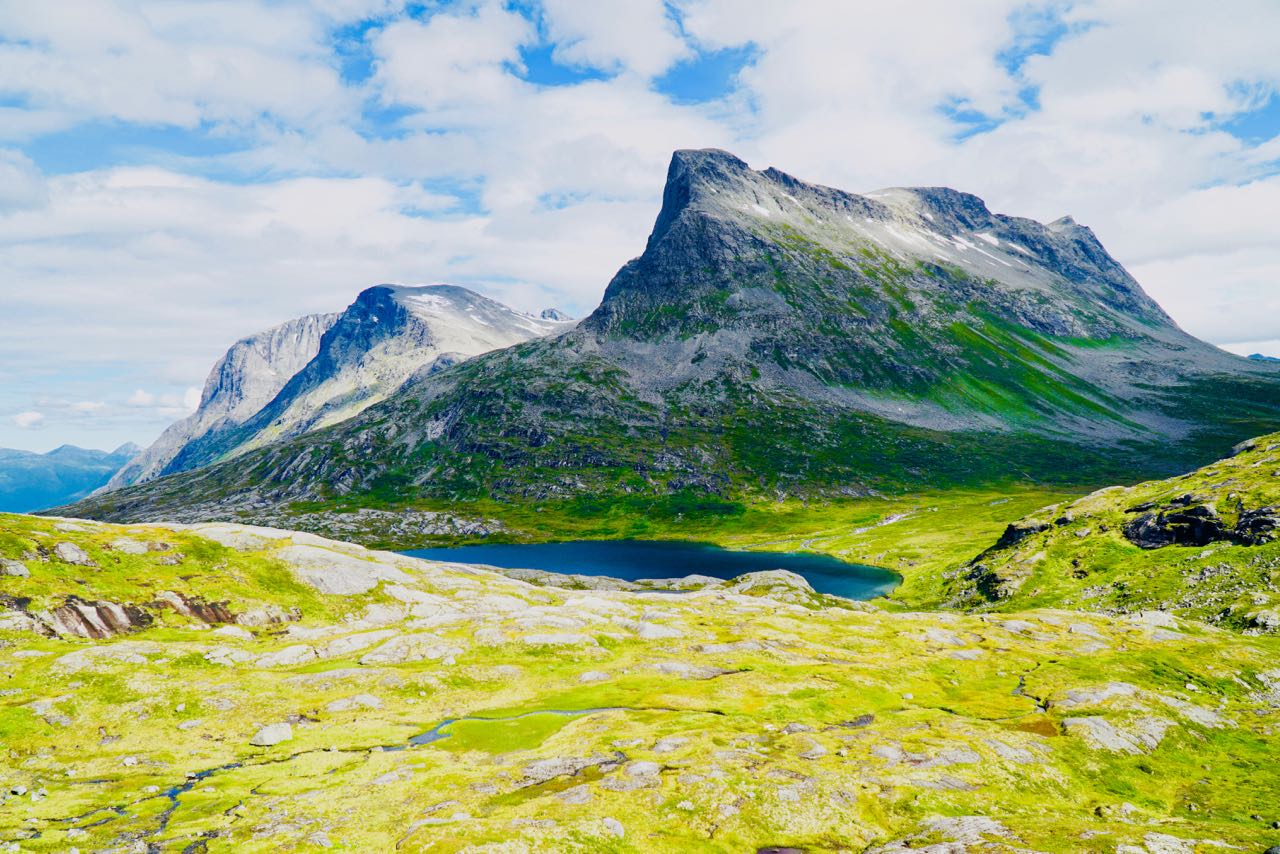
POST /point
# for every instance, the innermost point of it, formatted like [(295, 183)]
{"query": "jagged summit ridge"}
[(709, 191)]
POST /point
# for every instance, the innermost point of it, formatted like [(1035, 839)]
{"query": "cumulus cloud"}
[(161, 62), (632, 35), (28, 420), (455, 61), (142, 398), (21, 184)]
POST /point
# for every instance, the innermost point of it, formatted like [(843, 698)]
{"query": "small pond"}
[(633, 560)]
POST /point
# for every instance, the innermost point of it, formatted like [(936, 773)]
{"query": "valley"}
[(931, 532)]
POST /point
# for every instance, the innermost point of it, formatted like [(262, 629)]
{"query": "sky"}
[(178, 174)]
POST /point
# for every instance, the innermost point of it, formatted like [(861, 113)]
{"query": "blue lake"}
[(633, 560)]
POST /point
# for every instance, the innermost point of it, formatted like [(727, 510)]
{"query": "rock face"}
[(905, 336), (1199, 525), (386, 336), (322, 369), (98, 620), (243, 381), (271, 735)]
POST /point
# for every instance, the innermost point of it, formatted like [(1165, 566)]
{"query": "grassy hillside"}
[(1203, 545), (729, 719)]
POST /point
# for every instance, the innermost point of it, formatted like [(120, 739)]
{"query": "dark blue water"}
[(633, 560)]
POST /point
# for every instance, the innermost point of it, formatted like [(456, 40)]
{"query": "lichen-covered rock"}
[(72, 553), (272, 734), (14, 568)]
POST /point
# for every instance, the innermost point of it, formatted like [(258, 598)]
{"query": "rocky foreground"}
[(219, 687)]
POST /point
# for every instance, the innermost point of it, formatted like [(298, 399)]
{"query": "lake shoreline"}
[(662, 565)]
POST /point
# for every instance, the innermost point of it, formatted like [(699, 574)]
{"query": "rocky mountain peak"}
[(693, 176)]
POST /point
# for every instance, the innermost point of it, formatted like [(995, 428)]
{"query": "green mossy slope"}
[(1086, 553)]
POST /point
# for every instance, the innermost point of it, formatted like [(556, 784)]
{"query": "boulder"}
[(336, 573), (352, 643), (268, 615), (288, 657), (1142, 735), (689, 671), (1256, 527), (1017, 532), (72, 554), (194, 608), (272, 734), (124, 545), (359, 701), (14, 568), (655, 631), (96, 620), (770, 580), (406, 648), (1196, 525), (559, 639)]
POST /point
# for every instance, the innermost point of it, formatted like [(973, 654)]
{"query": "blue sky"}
[(176, 176)]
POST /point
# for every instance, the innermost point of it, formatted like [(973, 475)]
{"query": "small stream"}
[(438, 732)]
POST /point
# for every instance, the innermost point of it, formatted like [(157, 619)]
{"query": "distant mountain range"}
[(1258, 357), (776, 338), (31, 481)]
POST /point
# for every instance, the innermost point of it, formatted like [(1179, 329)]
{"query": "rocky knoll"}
[(1206, 544), (346, 698)]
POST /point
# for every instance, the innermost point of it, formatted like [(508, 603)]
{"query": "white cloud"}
[(21, 184), (28, 420), (456, 61), (88, 407), (191, 399), (632, 35), (142, 398), (177, 63)]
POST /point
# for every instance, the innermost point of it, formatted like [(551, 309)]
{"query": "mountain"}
[(1258, 357), (321, 369), (175, 688), (31, 481), (244, 380), (1205, 545), (780, 338)]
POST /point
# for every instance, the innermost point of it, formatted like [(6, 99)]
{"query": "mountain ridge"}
[(319, 369), (905, 338), (34, 481), (242, 381)]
